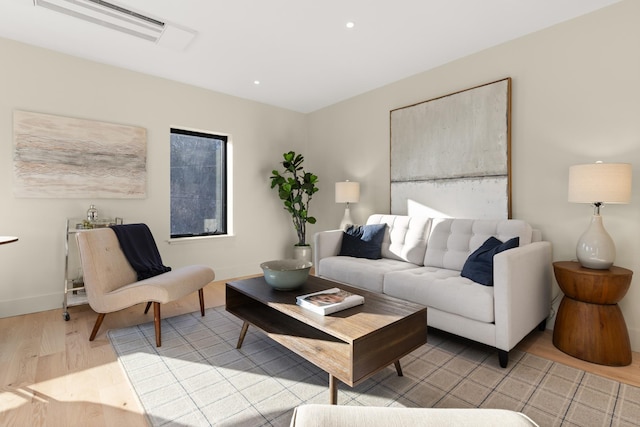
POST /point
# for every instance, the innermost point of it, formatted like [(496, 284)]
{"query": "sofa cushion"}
[(479, 265), (360, 272), (362, 241), (444, 290), (405, 238), (452, 240)]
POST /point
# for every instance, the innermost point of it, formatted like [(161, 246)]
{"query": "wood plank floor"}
[(53, 376)]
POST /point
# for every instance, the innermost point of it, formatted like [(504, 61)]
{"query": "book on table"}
[(329, 301)]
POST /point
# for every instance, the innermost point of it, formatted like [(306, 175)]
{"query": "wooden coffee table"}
[(350, 345)]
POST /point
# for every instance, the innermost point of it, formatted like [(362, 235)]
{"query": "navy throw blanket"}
[(140, 249)]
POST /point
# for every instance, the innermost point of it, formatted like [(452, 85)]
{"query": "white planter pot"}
[(302, 252)]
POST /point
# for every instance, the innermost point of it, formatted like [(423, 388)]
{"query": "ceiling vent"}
[(115, 17)]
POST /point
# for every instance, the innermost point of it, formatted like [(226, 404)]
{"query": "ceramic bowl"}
[(286, 274)]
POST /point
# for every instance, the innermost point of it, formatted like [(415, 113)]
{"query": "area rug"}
[(199, 378)]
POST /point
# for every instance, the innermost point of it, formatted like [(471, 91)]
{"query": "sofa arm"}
[(522, 291), (326, 244)]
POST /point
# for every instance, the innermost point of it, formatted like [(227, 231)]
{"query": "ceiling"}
[(300, 51)]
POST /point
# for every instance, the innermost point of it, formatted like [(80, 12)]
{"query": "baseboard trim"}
[(17, 307)]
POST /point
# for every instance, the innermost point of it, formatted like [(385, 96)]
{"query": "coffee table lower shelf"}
[(305, 341), (351, 358)]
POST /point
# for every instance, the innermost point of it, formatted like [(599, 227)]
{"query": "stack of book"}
[(329, 301)]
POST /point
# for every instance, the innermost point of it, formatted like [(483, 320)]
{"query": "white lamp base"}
[(346, 219), (595, 247)]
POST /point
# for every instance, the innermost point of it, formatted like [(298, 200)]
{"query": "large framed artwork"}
[(63, 157), (450, 156)]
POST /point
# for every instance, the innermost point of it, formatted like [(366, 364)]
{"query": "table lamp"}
[(347, 192), (598, 183)]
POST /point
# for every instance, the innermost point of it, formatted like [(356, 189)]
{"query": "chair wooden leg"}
[(146, 310), (201, 297), (156, 321), (97, 325)]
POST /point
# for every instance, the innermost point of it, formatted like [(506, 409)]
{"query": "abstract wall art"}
[(450, 156), (62, 157)]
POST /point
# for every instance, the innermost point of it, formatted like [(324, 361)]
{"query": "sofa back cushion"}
[(453, 240), (405, 238)]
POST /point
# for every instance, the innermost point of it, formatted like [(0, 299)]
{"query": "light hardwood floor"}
[(51, 375)]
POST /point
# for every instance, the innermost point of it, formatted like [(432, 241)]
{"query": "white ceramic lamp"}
[(598, 183), (347, 192)]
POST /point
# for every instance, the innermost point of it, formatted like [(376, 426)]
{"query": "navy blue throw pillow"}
[(479, 265), (363, 241)]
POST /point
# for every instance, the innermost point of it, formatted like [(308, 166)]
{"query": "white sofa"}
[(421, 262)]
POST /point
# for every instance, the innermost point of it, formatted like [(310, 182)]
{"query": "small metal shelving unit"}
[(74, 292)]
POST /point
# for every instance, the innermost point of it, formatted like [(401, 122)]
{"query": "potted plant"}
[(296, 188)]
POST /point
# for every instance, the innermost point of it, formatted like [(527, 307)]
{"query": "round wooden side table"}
[(589, 324)]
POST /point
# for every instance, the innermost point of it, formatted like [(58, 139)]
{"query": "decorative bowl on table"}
[(286, 274)]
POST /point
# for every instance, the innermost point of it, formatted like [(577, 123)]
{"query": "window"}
[(198, 184)]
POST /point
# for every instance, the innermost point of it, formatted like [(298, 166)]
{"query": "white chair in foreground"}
[(112, 284), (314, 415)]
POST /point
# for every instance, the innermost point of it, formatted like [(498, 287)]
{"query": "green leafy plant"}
[(296, 188)]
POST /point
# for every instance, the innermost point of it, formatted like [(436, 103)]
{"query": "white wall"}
[(38, 80), (576, 99)]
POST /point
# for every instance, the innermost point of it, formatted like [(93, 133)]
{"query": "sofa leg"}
[(542, 326), (146, 310), (503, 358)]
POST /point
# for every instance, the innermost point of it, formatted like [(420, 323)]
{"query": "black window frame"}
[(224, 187)]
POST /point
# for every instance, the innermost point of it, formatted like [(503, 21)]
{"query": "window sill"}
[(182, 240)]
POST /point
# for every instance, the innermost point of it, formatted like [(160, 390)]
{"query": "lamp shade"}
[(347, 192), (600, 182)]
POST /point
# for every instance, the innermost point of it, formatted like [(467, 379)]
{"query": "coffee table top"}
[(377, 312)]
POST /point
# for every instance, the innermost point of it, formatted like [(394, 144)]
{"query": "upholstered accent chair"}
[(112, 284)]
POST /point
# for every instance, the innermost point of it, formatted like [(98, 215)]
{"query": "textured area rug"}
[(199, 378)]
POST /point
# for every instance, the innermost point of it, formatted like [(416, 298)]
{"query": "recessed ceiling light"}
[(256, 82), (351, 24)]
